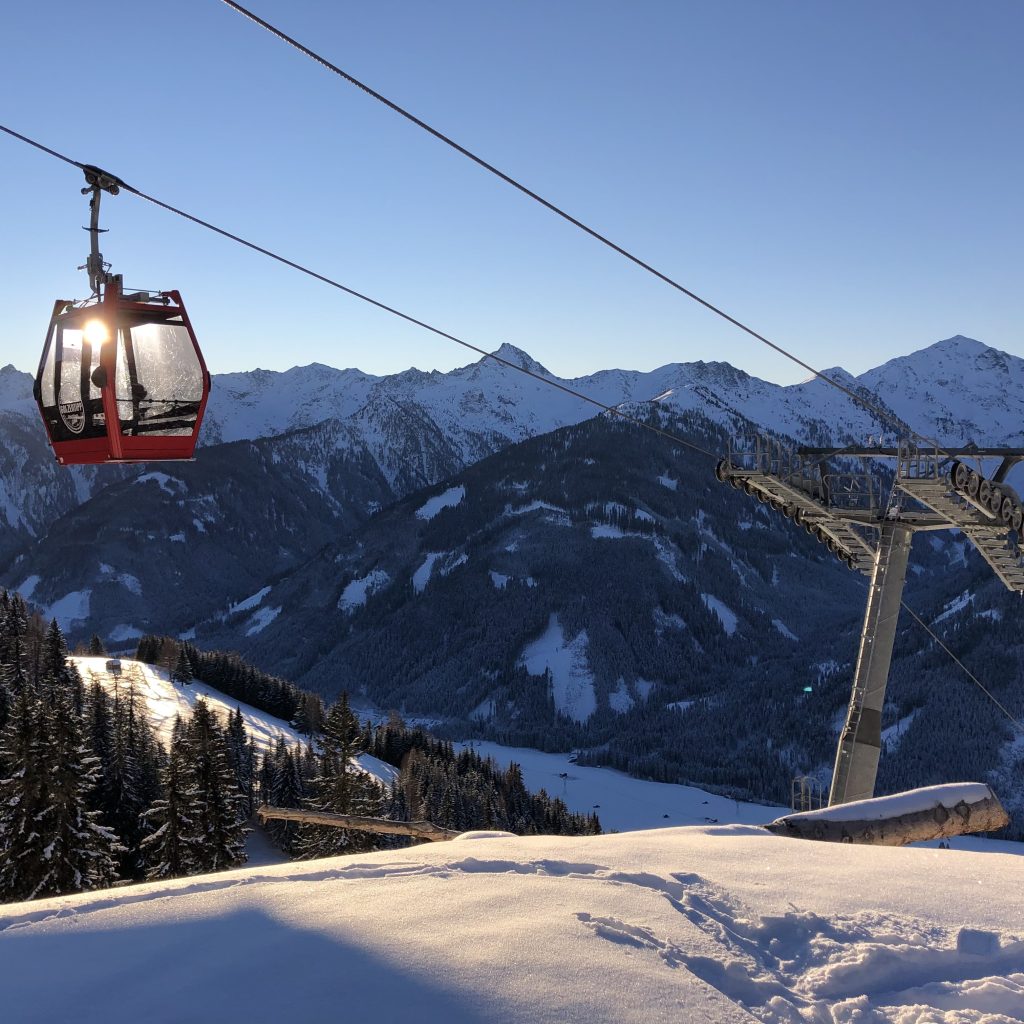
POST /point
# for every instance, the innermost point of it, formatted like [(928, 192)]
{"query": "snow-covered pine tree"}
[(56, 672), (242, 756), (340, 787), (13, 678), (221, 824), (286, 789), (124, 787), (78, 852), (99, 728), (22, 775), (174, 846), (182, 671)]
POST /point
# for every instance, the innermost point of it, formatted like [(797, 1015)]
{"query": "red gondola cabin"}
[(122, 379)]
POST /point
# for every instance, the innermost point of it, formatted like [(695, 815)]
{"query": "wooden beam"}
[(417, 829), (981, 812)]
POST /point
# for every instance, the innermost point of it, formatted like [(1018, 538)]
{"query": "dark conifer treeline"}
[(460, 791), (87, 795), (227, 672)]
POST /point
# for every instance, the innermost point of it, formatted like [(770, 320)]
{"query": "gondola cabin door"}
[(122, 379)]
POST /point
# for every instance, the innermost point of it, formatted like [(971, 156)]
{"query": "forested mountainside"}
[(597, 588), (320, 450), (99, 785)]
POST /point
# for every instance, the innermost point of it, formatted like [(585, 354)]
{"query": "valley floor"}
[(709, 923)]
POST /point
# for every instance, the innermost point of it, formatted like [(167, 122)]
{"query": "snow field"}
[(623, 803), (449, 499), (260, 619), (571, 680), (710, 924), (421, 577), (355, 594), (163, 701), (726, 615)]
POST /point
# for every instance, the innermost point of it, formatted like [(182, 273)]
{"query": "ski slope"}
[(719, 924), (164, 701)]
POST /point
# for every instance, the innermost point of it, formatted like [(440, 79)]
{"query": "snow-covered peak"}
[(15, 390), (517, 356), (261, 403), (958, 343), (957, 390)]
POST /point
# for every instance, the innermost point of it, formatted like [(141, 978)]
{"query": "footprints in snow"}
[(801, 967)]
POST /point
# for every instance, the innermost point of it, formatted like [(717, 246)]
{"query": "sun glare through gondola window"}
[(96, 332)]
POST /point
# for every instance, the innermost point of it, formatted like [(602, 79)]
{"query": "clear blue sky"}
[(845, 177)]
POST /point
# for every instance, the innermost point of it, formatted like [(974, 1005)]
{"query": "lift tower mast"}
[(835, 496)]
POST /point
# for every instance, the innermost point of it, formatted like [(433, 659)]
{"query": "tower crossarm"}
[(989, 536), (861, 550), (800, 498), (1002, 560)]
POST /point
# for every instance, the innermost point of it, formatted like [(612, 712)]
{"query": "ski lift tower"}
[(836, 495)]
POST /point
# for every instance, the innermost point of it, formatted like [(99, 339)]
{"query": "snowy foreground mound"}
[(720, 923)]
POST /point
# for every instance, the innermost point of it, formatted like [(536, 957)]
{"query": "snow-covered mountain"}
[(717, 924), (595, 588), (958, 390), (595, 545), (417, 428)]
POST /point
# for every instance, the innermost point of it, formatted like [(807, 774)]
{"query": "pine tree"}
[(51, 842), (243, 760), (340, 787), (221, 825), (125, 799), (174, 846), (22, 776), (148, 650), (79, 853), (96, 648), (13, 677), (287, 790), (99, 726), (182, 672), (56, 671)]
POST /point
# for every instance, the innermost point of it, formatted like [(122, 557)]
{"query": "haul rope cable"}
[(876, 408), (613, 410), (924, 625), (610, 409)]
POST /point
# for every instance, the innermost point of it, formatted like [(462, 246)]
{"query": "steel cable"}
[(612, 410), (875, 408)]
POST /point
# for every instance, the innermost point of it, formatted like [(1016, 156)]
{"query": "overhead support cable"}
[(550, 382), (874, 408), (610, 409), (970, 675)]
